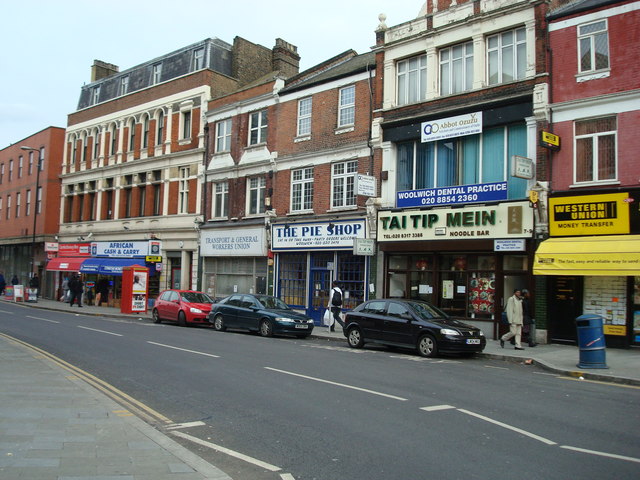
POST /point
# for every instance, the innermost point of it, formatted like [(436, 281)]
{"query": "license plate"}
[(302, 326), (473, 341)]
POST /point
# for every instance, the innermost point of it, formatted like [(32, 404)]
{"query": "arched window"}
[(160, 129), (145, 132), (113, 144), (132, 134)]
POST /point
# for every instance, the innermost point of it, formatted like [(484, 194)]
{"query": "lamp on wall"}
[(36, 206)]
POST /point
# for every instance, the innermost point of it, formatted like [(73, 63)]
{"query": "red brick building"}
[(593, 255), (29, 202)]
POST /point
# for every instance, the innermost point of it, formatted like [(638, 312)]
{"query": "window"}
[(8, 206), (157, 189), (30, 163), (183, 193), (113, 137), (96, 144), (160, 129), (507, 56), (142, 200), (156, 73), (186, 124), (0, 207), (40, 165), (108, 204), (347, 107), (456, 69), (464, 160), (221, 200), (20, 166), (1, 173), (412, 80), (74, 149), (27, 211), (258, 127), (223, 136), (593, 46), (10, 169), (124, 85), (198, 59), (302, 189), (95, 95), (18, 200), (145, 132), (304, 116), (132, 135), (343, 182), (39, 200), (595, 151), (84, 148), (257, 188)]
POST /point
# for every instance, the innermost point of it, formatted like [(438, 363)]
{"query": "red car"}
[(187, 307)]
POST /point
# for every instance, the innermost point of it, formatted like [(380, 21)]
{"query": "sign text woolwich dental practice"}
[(511, 220)]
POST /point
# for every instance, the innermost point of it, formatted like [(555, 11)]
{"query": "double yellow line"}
[(134, 406)]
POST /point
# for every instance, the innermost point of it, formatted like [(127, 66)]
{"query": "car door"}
[(248, 313), (172, 306), (396, 327), (370, 319), (229, 310)]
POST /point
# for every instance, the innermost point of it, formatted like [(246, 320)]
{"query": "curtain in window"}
[(446, 163), (424, 165), (516, 145), (405, 166), (470, 151), (493, 155)]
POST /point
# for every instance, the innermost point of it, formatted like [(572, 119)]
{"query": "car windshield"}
[(273, 303), (196, 297), (426, 311)]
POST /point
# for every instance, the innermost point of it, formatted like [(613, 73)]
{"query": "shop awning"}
[(608, 255), (62, 264), (109, 266)]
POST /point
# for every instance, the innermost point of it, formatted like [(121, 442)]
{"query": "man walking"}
[(514, 315), (76, 286), (528, 320), (335, 303)]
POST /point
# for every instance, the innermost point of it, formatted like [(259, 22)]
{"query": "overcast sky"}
[(47, 47)]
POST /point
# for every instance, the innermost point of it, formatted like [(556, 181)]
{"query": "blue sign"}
[(456, 195)]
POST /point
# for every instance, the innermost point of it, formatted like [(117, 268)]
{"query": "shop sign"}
[(509, 245), (522, 167), (366, 185), (74, 249), (604, 214), (120, 249), (339, 234), (153, 258), (458, 195), (249, 242), (51, 246), (506, 220), (458, 126), (549, 140), (364, 246)]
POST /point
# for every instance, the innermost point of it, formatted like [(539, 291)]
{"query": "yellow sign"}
[(549, 140), (153, 258), (533, 196), (615, 330), (605, 214)]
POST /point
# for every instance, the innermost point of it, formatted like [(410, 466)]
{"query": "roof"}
[(579, 6)]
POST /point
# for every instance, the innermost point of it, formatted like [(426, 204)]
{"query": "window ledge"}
[(300, 212), (595, 75), (302, 138), (342, 209), (342, 130), (594, 184), (184, 141)]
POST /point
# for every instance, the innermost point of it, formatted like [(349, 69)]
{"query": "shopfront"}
[(466, 261), (593, 263), (309, 256), (235, 260), (64, 260)]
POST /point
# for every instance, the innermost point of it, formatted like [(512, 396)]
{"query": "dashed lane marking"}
[(601, 454), (184, 350), (509, 427), (437, 408), (100, 331), (43, 319)]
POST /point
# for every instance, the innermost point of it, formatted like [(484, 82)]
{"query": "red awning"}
[(63, 264)]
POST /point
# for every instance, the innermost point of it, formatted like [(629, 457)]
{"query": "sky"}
[(47, 47)]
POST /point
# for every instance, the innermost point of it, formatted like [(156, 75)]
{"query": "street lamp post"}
[(35, 208)]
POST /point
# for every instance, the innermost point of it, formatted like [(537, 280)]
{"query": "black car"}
[(412, 324), (259, 313)]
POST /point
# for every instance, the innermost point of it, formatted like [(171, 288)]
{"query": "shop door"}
[(320, 279), (175, 277), (566, 306)]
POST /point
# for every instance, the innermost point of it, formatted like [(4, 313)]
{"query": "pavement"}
[(56, 426)]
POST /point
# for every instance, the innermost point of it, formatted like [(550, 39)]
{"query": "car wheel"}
[(218, 323), (156, 316), (266, 328), (354, 338), (427, 346), (182, 319)]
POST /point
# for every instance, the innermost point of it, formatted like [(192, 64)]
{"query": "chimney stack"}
[(100, 70), (285, 58)]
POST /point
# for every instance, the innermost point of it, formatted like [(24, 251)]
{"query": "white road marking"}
[(5, 311), (499, 368), (545, 373), (436, 408), (286, 476), (509, 427), (602, 454), (43, 319), (176, 426), (184, 350), (100, 331), (422, 359), (232, 453), (373, 392)]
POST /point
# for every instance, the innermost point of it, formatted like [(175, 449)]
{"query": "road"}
[(281, 408)]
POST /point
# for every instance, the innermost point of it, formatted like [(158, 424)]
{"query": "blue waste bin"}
[(591, 342)]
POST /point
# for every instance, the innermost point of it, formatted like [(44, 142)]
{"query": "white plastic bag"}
[(327, 318)]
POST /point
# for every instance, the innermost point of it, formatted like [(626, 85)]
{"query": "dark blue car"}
[(259, 313)]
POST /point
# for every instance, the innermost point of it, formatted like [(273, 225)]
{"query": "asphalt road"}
[(283, 408)]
